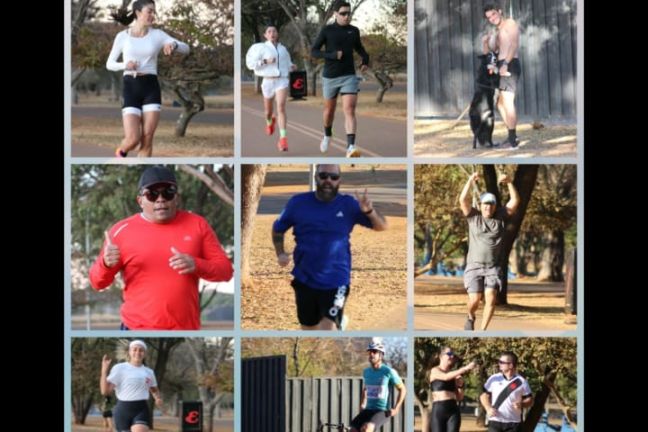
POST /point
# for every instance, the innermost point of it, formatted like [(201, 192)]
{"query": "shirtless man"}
[(506, 41)]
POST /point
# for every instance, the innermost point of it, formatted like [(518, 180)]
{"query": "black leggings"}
[(445, 416)]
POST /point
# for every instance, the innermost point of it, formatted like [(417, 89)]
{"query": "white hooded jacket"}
[(266, 50)]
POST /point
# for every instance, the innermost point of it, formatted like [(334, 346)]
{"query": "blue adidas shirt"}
[(377, 382), (322, 254)]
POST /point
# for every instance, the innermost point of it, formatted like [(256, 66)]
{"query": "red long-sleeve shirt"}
[(156, 297)]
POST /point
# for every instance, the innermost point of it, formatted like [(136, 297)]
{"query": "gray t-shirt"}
[(485, 236)]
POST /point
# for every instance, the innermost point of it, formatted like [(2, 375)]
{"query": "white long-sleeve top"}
[(267, 50), (143, 50)]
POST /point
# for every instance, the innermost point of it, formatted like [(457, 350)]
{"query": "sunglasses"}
[(325, 175), (344, 13), (168, 193), (503, 362), (449, 354), (373, 351)]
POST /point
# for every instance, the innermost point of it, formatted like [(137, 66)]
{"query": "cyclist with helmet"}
[(374, 408)]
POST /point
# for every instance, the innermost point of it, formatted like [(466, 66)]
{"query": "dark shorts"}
[(140, 91), (495, 426), (128, 413), (107, 413), (377, 417), (478, 277), (509, 83), (315, 304)]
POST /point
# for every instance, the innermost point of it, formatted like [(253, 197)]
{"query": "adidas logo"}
[(339, 214)]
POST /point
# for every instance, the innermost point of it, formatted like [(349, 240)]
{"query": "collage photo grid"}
[(324, 215)]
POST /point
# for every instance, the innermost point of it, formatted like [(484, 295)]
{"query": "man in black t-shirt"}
[(341, 39)]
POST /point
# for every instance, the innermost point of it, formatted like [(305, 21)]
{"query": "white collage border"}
[(409, 161)]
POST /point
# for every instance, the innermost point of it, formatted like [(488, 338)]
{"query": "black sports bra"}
[(440, 385)]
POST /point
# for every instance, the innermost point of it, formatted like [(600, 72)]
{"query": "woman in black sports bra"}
[(447, 389)]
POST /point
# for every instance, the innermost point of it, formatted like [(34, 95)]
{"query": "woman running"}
[(447, 389), (132, 382), (139, 47)]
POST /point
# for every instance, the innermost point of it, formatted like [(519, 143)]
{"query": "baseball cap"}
[(487, 197), (156, 174)]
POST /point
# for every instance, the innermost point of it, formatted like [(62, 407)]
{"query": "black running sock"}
[(511, 136), (350, 140), (328, 130)]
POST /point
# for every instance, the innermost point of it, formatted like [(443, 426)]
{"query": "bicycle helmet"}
[(376, 344)]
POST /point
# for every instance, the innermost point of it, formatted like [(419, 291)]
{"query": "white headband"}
[(137, 342)]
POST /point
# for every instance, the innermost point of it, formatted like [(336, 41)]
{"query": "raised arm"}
[(171, 45), (514, 200), (105, 387), (378, 222), (464, 198), (437, 373)]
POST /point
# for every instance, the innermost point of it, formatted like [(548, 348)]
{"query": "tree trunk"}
[(191, 105), (311, 75), (253, 177), (183, 121), (428, 244), (385, 82), (553, 257), (164, 347), (210, 418), (81, 406), (524, 181), (521, 256), (515, 258), (570, 286), (539, 400)]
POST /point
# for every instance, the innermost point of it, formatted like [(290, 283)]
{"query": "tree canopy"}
[(312, 357)]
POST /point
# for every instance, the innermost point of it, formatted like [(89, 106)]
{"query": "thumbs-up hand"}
[(111, 252), (182, 263)]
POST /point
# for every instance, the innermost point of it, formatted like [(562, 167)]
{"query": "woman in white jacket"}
[(271, 61), (139, 46)]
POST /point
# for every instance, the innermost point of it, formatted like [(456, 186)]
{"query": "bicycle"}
[(339, 427)]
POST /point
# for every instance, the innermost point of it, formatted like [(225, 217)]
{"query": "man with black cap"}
[(486, 229), (162, 252)]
